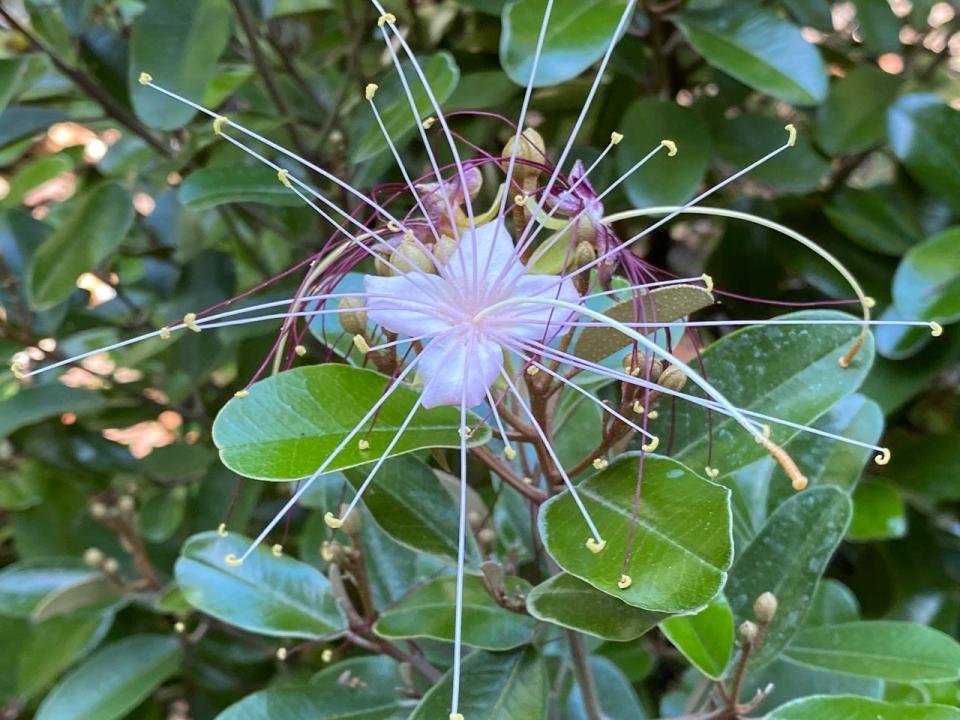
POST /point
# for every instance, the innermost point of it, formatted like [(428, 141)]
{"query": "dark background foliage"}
[(119, 212)]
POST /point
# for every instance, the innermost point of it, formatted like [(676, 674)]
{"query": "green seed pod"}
[(354, 322), (410, 257)]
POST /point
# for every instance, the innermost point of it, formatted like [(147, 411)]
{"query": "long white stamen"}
[(508, 448), (739, 323), (305, 486), (461, 553), (553, 457)]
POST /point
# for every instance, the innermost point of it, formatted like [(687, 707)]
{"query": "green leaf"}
[(663, 180), (578, 34), (428, 611), (325, 698), (758, 47), (41, 402), (805, 381), (114, 680), (787, 558), (20, 121), (179, 45), (442, 73), (93, 593), (618, 700), (93, 229), (218, 185), (879, 27), (568, 601), (853, 117), (889, 650), (924, 134), (505, 686), (706, 638), (833, 603), (24, 584), (662, 305), (55, 645), (878, 513), (878, 219), (35, 173), (11, 73), (276, 596), (927, 283), (927, 464), (683, 545), (850, 707), (291, 422), (412, 506)]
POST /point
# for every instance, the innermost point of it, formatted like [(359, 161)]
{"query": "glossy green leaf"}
[(178, 44), (683, 545), (878, 513), (55, 645), (442, 73), (618, 700), (114, 680), (291, 422), (853, 117), (879, 27), (94, 228), (219, 185), (758, 47), (849, 707), (706, 638), (833, 603), (787, 558), (570, 602), (927, 283), (805, 381), (41, 402), (663, 180), (578, 34), (11, 73), (924, 134), (269, 595), (23, 121), (35, 173), (889, 650), (662, 305), (377, 698), (927, 464), (23, 585), (94, 593), (428, 611), (878, 219), (505, 686), (412, 506)]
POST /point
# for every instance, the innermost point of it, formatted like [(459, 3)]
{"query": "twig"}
[(581, 669)]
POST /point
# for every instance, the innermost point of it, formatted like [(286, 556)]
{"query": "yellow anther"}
[(527, 480), (145, 78), (624, 582), (671, 147), (232, 560), (17, 371), (884, 457), (707, 282), (596, 546), (408, 236), (393, 226), (869, 302), (331, 521), (509, 453), (241, 394), (326, 552), (386, 19), (327, 655), (371, 91), (360, 342), (465, 432), (936, 329), (652, 445), (456, 716), (164, 333), (638, 407), (712, 472), (766, 430), (218, 122), (653, 414), (791, 134), (190, 320), (429, 122), (284, 177), (615, 138), (600, 463), (532, 370), (300, 350), (363, 444), (520, 200), (277, 550), (179, 627), (281, 654), (222, 529)]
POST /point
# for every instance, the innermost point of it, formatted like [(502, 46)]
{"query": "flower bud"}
[(444, 249), (636, 364), (584, 255), (530, 148), (352, 523), (93, 557), (380, 264), (410, 257), (748, 632), (673, 378), (99, 511), (111, 566), (765, 608), (355, 321), (486, 536), (126, 504)]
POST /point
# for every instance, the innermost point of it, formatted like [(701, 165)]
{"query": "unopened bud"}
[(765, 608), (354, 321), (352, 522), (529, 149), (444, 248), (126, 504), (748, 632), (99, 511), (636, 364), (486, 536), (410, 257), (93, 557), (585, 254), (673, 378), (111, 566)]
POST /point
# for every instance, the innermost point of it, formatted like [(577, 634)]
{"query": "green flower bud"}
[(354, 322), (444, 249), (765, 607), (673, 378), (409, 257), (531, 148)]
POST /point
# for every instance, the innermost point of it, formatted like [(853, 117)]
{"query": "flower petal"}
[(485, 251), (530, 321), (406, 304), (458, 364)]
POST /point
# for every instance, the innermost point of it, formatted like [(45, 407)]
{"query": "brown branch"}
[(504, 472)]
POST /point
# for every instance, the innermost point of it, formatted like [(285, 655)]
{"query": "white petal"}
[(405, 304), (457, 362), (531, 321), (484, 252)]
